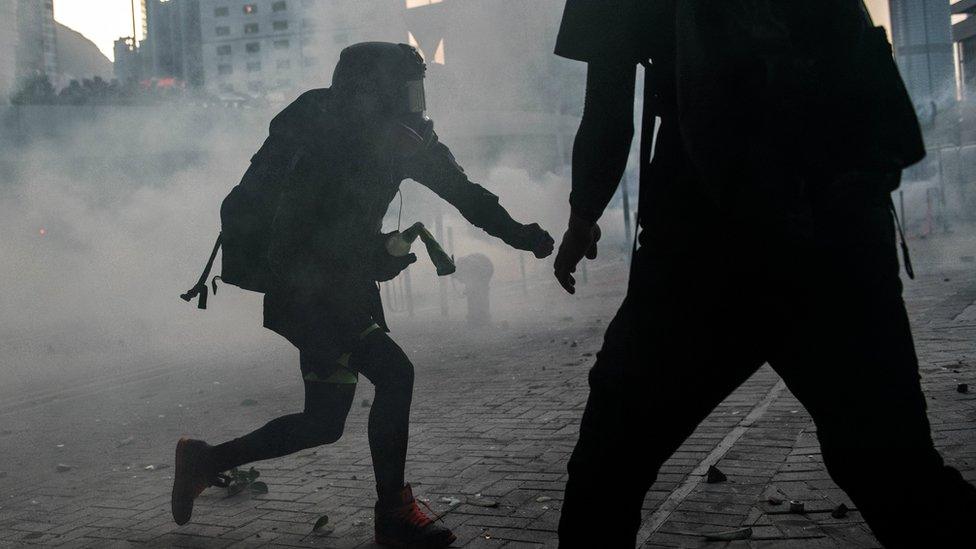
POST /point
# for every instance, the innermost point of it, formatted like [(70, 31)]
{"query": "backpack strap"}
[(200, 289)]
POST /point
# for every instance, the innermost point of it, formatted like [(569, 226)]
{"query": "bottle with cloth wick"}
[(398, 245)]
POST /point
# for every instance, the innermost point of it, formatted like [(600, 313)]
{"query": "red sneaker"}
[(402, 524), (194, 474)]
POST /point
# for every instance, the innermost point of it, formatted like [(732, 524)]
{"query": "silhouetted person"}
[(768, 236), (341, 154)]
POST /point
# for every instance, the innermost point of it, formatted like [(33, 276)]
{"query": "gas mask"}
[(381, 80)]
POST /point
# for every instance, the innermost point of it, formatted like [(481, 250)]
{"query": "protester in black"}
[(766, 238), (343, 152)]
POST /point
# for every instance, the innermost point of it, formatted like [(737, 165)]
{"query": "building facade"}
[(172, 47), (37, 47), (964, 36), (8, 44), (921, 35), (255, 47)]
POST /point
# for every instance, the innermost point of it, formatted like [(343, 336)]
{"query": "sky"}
[(103, 21)]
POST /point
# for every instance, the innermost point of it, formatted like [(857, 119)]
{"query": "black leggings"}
[(322, 421)]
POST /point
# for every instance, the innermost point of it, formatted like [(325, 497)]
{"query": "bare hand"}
[(579, 241)]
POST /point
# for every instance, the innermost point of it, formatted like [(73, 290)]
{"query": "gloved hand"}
[(532, 238), (579, 241), (385, 266)]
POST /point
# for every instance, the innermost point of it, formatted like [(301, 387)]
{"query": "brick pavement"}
[(495, 417)]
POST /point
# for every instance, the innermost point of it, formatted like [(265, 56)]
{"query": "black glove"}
[(532, 238), (385, 266), (389, 267)]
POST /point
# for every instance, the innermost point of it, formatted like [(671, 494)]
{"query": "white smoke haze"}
[(107, 220)]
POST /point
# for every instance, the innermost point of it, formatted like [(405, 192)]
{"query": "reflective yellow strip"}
[(343, 375), (369, 330)]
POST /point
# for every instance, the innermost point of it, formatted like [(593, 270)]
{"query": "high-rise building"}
[(255, 46), (8, 47), (172, 48), (37, 49), (923, 47), (964, 35)]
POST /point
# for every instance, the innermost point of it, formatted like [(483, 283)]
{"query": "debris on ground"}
[(156, 467), (730, 535), (714, 475), (319, 528), (125, 442), (450, 500), (543, 499), (479, 501), (249, 402), (774, 500), (840, 511), (962, 388), (797, 507), (364, 403), (62, 468)]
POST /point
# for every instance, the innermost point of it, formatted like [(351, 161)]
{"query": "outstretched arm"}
[(436, 169), (599, 160)]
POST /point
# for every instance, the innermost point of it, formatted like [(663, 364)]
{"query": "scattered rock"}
[(730, 535), (450, 501), (962, 388), (714, 475), (479, 501), (574, 343), (543, 499), (797, 507), (62, 468), (249, 402), (840, 511)]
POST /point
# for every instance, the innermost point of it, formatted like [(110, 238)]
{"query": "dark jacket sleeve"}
[(598, 30), (435, 168)]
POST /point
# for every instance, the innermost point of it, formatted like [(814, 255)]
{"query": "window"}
[(280, 25), (222, 31), (253, 66), (225, 69), (224, 49), (281, 44), (250, 9), (251, 28), (284, 64), (222, 11), (252, 47), (279, 6)]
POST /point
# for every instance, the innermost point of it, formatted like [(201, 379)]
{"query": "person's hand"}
[(387, 268), (535, 239), (579, 241)]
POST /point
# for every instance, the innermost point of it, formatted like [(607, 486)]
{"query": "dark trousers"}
[(382, 361), (714, 295)]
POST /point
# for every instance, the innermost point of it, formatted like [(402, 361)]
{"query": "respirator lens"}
[(416, 99)]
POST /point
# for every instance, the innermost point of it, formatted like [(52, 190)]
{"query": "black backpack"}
[(246, 215)]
